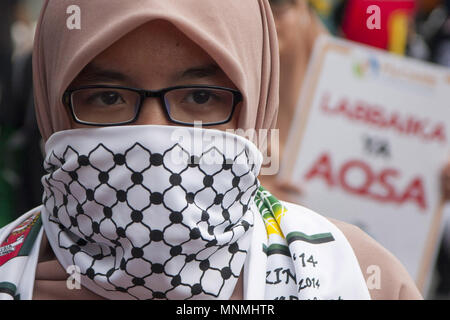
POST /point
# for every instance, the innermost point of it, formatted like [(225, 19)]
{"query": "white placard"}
[(367, 145)]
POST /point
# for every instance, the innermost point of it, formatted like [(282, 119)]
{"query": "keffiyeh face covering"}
[(151, 212)]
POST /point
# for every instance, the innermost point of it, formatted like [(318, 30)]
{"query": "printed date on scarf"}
[(303, 260)]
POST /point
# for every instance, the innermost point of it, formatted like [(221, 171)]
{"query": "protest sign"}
[(368, 143)]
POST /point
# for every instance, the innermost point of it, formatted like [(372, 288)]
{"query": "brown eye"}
[(110, 98), (201, 97)]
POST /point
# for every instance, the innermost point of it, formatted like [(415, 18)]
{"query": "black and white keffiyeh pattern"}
[(151, 212)]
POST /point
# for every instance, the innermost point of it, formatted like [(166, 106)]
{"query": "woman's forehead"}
[(158, 40), (155, 49)]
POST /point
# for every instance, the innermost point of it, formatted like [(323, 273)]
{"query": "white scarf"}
[(140, 247), (302, 256), (151, 212)]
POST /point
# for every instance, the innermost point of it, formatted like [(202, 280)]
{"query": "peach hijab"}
[(239, 35)]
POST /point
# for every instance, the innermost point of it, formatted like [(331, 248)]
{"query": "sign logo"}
[(371, 67)]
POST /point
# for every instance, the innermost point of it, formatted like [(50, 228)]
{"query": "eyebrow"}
[(94, 73), (199, 72)]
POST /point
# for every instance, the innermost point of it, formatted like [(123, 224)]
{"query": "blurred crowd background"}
[(420, 30)]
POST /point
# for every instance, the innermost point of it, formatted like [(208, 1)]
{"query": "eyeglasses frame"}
[(144, 94)]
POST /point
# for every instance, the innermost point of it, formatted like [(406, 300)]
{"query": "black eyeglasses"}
[(108, 105)]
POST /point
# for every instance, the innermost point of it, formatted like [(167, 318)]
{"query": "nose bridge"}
[(152, 109), (153, 98), (152, 93)]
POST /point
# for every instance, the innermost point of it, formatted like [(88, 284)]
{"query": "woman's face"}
[(154, 56)]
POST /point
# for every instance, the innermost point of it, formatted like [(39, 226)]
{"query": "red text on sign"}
[(377, 116), (372, 182)]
